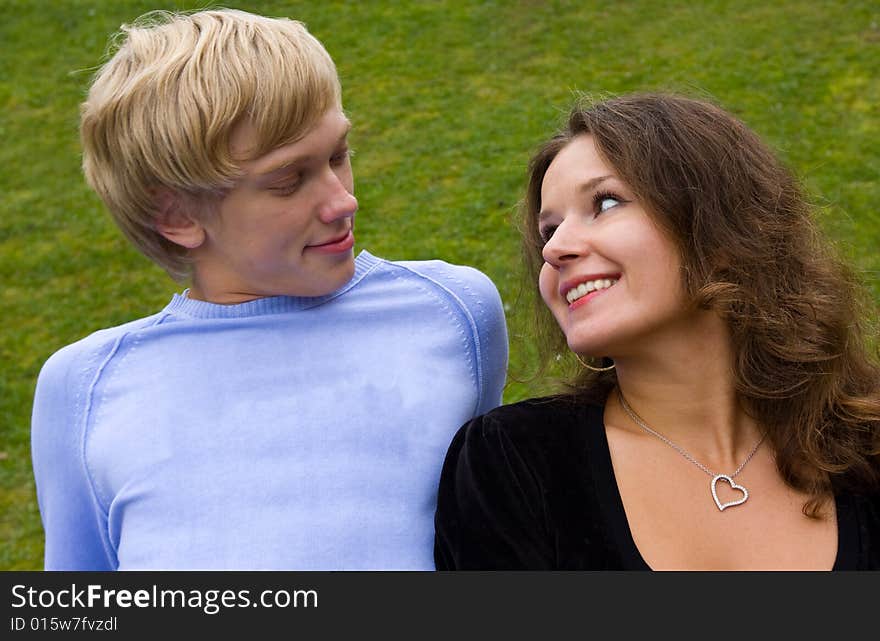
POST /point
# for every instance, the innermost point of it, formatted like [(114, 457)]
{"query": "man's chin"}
[(328, 282)]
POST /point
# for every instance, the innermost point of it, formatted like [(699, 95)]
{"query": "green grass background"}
[(448, 100)]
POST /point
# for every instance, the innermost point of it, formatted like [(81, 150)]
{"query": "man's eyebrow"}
[(590, 185), (297, 160)]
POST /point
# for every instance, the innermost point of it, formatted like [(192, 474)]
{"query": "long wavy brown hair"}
[(806, 365)]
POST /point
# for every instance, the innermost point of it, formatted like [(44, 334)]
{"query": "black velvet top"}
[(530, 486)]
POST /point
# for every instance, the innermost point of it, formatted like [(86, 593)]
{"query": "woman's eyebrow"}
[(590, 185)]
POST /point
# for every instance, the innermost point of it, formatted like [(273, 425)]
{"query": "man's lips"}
[(335, 245)]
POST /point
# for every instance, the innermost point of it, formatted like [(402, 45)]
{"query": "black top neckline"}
[(605, 484)]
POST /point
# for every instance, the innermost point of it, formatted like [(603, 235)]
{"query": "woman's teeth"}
[(590, 286)]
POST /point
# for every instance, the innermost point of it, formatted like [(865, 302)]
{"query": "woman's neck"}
[(682, 386)]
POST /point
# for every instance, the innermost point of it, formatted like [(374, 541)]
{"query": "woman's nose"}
[(566, 244)]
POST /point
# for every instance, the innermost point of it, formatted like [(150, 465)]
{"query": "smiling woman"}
[(610, 276), (666, 238)]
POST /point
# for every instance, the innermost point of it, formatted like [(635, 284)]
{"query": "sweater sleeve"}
[(75, 525), (490, 509), (478, 298), (493, 342)]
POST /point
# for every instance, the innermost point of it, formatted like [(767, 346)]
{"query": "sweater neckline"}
[(182, 305)]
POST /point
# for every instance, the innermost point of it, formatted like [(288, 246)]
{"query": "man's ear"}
[(174, 219)]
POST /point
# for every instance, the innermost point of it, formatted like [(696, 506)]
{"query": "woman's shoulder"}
[(541, 410), (541, 422)]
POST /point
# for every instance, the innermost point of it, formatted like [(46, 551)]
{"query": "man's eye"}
[(286, 189), (341, 156)]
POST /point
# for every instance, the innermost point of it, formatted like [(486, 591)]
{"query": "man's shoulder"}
[(437, 268), (90, 349), (468, 284)]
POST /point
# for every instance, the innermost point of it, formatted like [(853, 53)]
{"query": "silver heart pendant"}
[(724, 506)]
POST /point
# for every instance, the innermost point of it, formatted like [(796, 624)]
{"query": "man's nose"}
[(339, 203)]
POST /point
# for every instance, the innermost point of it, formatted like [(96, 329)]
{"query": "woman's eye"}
[(604, 203), (547, 232)]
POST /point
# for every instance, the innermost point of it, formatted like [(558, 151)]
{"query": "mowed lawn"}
[(448, 100)]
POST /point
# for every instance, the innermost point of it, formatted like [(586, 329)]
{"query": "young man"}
[(291, 409)]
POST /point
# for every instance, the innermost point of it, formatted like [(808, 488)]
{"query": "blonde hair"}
[(160, 112)]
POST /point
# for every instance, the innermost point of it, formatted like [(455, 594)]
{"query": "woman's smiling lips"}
[(578, 291), (336, 245)]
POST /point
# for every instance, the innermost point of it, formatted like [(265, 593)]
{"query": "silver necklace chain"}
[(728, 478), (638, 421)]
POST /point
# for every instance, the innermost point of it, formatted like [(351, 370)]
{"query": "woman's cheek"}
[(548, 284)]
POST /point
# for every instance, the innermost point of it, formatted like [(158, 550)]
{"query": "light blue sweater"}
[(281, 433)]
